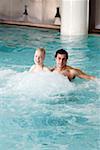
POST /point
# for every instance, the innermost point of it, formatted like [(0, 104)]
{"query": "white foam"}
[(42, 85), (37, 85), (25, 90)]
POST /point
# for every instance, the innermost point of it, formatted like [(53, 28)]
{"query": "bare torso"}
[(67, 71), (71, 73)]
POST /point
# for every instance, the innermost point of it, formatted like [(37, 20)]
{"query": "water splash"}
[(34, 86)]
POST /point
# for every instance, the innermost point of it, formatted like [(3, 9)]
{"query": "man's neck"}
[(59, 69)]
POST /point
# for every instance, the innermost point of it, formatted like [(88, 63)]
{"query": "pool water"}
[(44, 111)]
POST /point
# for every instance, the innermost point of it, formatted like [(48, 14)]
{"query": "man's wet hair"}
[(61, 51)]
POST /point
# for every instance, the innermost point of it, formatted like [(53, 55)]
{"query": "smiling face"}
[(39, 57), (61, 60)]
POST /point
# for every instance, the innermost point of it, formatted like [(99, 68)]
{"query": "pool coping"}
[(38, 25), (30, 24)]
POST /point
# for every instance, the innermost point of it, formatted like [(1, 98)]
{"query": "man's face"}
[(61, 60)]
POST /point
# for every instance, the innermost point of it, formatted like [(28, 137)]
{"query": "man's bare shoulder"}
[(72, 68), (73, 71), (69, 68)]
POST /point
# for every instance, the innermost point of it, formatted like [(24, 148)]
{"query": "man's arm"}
[(83, 75)]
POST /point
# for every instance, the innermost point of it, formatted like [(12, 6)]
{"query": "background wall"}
[(10, 9), (39, 11)]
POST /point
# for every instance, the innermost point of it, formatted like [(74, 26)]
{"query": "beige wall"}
[(10, 9), (49, 10), (39, 11), (97, 17)]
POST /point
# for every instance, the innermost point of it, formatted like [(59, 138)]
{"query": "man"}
[(61, 57)]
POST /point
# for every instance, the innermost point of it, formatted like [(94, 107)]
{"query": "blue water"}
[(44, 111)]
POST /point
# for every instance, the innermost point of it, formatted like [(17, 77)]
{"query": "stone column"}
[(74, 17)]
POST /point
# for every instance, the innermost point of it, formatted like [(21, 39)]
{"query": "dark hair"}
[(61, 51)]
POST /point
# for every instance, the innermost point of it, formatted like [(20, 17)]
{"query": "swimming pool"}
[(45, 111)]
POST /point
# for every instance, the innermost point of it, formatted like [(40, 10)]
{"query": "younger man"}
[(61, 57)]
